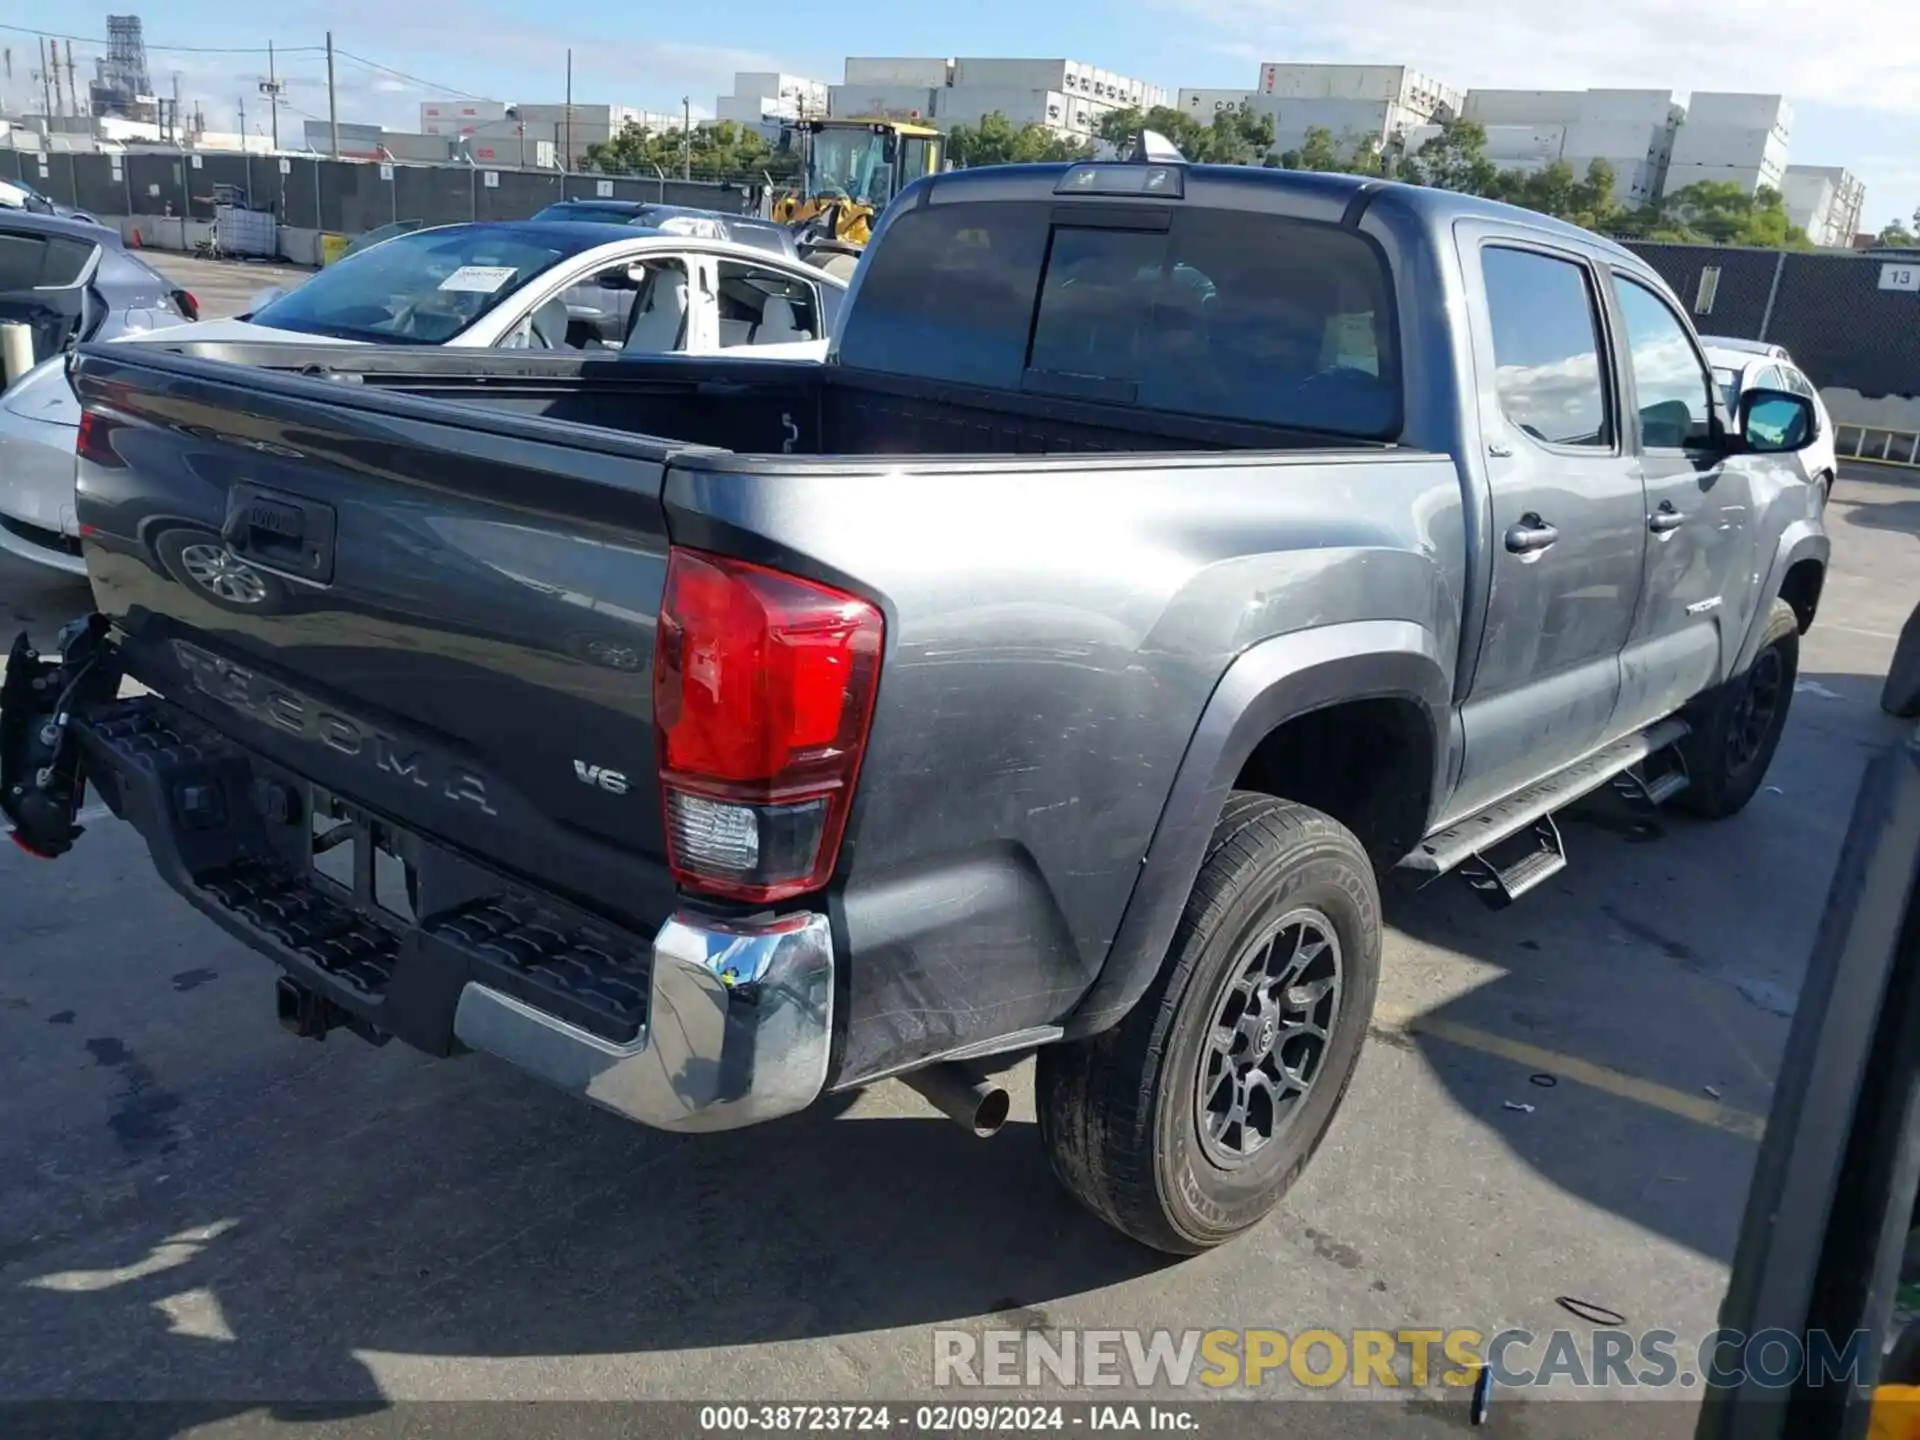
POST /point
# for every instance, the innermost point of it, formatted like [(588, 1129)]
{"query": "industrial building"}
[(1631, 130), (1068, 97), (764, 100), (1732, 138), (1825, 201)]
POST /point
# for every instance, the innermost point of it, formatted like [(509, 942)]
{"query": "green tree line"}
[(723, 149), (1454, 159)]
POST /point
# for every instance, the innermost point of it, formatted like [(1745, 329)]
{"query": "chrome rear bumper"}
[(739, 1028)]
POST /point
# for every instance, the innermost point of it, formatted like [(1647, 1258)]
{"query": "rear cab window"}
[(1227, 314)]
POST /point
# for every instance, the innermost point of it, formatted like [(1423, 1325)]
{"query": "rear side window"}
[(1546, 347), (1222, 313)]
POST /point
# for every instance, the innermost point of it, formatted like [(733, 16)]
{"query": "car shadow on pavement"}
[(1899, 516), (496, 1219)]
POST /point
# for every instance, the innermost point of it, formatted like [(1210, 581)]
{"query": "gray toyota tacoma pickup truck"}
[(1166, 556)]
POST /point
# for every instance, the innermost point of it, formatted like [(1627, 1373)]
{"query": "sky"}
[(1850, 68)]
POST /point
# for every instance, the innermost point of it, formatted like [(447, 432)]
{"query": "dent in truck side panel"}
[(1276, 681), (1054, 628)]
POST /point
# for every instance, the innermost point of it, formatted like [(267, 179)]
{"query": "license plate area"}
[(362, 861)]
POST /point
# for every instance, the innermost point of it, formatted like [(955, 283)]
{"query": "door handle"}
[(1665, 519), (1530, 534)]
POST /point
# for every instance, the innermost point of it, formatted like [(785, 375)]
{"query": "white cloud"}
[(1864, 54)]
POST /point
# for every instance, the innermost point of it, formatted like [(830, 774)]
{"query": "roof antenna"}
[(1150, 147)]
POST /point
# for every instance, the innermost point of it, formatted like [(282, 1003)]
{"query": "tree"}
[(1455, 159), (1318, 150), (725, 149), (1718, 212), (1898, 234), (1237, 135), (996, 141)]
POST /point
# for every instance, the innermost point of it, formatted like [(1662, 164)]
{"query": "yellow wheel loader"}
[(852, 168)]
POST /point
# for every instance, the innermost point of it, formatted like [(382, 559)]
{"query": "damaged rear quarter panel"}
[(1054, 628)]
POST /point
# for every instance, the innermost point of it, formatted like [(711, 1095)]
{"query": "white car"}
[(541, 285), (1743, 365), (553, 285)]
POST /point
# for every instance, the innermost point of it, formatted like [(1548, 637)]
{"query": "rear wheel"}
[(1185, 1124), (1737, 726)]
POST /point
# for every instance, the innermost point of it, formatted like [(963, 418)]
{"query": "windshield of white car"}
[(425, 288)]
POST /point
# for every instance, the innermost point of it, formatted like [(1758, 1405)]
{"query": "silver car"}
[(66, 280)]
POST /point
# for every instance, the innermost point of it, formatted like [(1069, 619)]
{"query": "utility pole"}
[(272, 88), (53, 54), (566, 153), (176, 108), (686, 137), (333, 112), (73, 88), (243, 125), (46, 87)]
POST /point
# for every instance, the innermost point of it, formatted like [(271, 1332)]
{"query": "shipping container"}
[(892, 102), (910, 72), (1204, 104), (967, 105)]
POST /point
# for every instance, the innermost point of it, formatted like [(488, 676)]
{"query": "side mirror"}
[(1776, 422)]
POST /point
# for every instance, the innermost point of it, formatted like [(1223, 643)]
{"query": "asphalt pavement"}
[(200, 1207)]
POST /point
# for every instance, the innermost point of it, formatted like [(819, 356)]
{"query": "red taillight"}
[(763, 687), (188, 302), (95, 440)]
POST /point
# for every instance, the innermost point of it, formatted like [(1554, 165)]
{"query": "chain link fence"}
[(344, 197), (1846, 325)]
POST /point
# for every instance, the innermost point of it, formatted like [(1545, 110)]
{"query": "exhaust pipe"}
[(964, 1097)]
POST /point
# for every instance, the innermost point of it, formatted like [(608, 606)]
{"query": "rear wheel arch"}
[(1275, 704)]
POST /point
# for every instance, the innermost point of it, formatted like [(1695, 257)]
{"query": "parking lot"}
[(199, 1206)]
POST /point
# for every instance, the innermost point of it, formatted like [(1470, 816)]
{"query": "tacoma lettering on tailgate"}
[(288, 710)]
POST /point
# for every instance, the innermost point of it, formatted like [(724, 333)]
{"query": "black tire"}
[(1121, 1113), (1901, 694), (181, 552), (1730, 746)]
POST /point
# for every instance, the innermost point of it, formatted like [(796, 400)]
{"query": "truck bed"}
[(495, 532), (762, 407)]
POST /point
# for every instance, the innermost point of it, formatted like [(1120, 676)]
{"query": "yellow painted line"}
[(1697, 1108)]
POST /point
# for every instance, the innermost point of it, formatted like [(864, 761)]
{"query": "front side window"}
[(1546, 347), (591, 314), (1673, 388), (419, 289)]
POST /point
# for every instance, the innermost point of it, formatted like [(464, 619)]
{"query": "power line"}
[(170, 49), (403, 75)]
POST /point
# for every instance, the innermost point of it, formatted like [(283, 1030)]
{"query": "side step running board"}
[(1635, 761), (1501, 882)]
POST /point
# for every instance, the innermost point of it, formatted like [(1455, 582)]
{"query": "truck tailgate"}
[(302, 571)]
